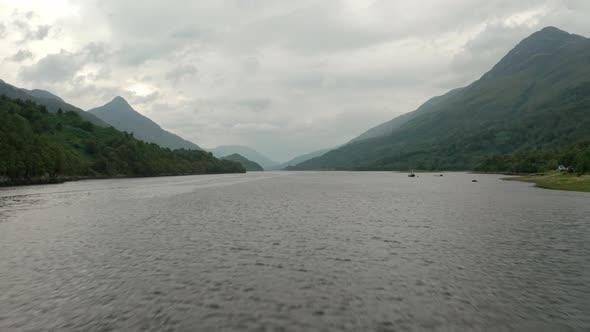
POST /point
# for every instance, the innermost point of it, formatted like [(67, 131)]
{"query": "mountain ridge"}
[(37, 146), (537, 96), (121, 115), (249, 165), (300, 159), (246, 152), (47, 99)]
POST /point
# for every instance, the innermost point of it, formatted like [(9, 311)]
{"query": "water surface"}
[(295, 251)]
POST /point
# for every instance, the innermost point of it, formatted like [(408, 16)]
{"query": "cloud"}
[(52, 68), (64, 65), (20, 56), (2, 30), (30, 33), (41, 32), (176, 74), (136, 99), (284, 77), (256, 104)]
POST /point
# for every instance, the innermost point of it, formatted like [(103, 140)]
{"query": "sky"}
[(282, 77)]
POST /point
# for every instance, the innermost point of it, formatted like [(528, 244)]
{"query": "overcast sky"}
[(283, 77)]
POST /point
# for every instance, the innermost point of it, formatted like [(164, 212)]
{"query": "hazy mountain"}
[(536, 97), (250, 154), (49, 100), (299, 159), (249, 165), (119, 114)]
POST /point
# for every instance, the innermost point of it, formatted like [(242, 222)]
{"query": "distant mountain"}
[(300, 159), (119, 114), (47, 99), (250, 154), (249, 165), (536, 97)]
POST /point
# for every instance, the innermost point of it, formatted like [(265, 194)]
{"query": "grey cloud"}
[(256, 104), (64, 65), (2, 30), (136, 99), (29, 33), (317, 28), (318, 71), (138, 53), (189, 33), (22, 25), (96, 52), (52, 68), (20, 56), (176, 74), (41, 32)]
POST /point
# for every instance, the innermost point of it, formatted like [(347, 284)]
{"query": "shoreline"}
[(550, 181), (556, 181), (7, 183)]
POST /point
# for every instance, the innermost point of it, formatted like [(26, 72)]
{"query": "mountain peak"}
[(537, 49), (552, 29), (119, 99), (552, 33), (119, 104), (119, 114)]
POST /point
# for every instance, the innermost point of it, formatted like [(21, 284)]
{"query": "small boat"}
[(412, 175)]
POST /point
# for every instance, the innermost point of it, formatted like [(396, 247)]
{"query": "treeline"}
[(37, 144), (576, 156)]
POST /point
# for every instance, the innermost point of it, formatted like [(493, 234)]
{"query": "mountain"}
[(47, 99), (250, 154), (388, 127), (536, 97), (119, 114), (249, 165), (300, 159), (37, 146), (42, 94)]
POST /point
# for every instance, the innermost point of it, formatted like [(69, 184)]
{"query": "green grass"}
[(558, 181)]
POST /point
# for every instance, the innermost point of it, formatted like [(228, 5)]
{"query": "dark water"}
[(293, 252)]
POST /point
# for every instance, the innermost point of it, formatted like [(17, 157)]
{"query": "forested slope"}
[(36, 145)]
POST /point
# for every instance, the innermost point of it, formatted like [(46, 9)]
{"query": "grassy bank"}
[(557, 181)]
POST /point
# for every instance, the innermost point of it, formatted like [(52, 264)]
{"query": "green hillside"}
[(536, 98), (249, 165), (576, 156), (52, 102), (39, 146)]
